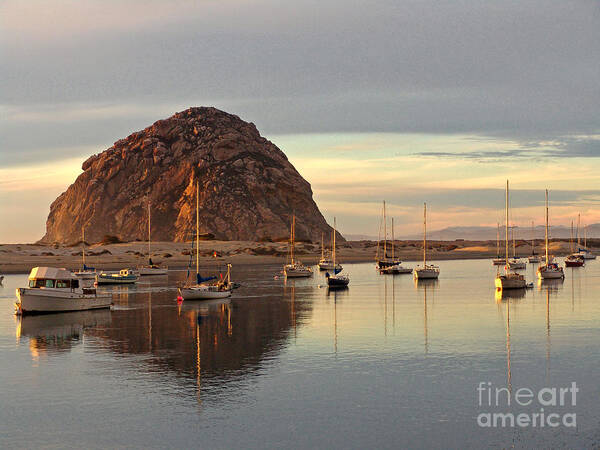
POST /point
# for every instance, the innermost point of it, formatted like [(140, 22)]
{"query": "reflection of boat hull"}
[(152, 271), (426, 273), (62, 325), (204, 292), (40, 301)]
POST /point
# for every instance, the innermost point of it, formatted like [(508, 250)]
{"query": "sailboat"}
[(335, 280), (533, 258), (396, 268), (584, 251), (151, 268), (426, 271), (574, 259), (514, 262), (550, 270), (509, 280), (202, 289), (295, 269), (384, 261), (498, 261), (86, 273), (326, 263)]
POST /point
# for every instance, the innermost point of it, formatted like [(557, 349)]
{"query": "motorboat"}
[(426, 271), (124, 276), (53, 289), (574, 260), (336, 281)]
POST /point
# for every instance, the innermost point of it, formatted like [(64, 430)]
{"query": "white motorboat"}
[(508, 280), (204, 289), (295, 268), (426, 271), (550, 270), (52, 290), (124, 276), (151, 268), (336, 281)]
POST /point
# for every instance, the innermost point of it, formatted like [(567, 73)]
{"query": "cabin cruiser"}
[(124, 276), (53, 290)]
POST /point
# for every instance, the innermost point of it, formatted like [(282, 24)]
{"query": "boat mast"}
[(197, 230), (148, 231), (424, 235), (498, 240), (322, 246), (392, 239), (512, 230), (506, 235), (585, 236), (532, 239), (83, 246), (384, 233), (333, 246), (571, 239), (293, 237), (546, 226), (578, 225)]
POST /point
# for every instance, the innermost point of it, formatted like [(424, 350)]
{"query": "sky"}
[(407, 101)]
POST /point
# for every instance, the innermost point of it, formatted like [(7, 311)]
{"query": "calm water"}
[(387, 363)]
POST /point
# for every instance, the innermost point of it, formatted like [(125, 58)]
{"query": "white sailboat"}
[(395, 268), (509, 280), (498, 261), (426, 271), (326, 263), (151, 268), (295, 268), (56, 290), (515, 263), (86, 272), (533, 258), (550, 270), (383, 260), (335, 280), (202, 290)]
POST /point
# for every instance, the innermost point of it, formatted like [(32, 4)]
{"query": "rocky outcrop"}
[(248, 188)]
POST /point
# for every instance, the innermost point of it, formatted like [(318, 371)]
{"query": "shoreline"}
[(20, 258)]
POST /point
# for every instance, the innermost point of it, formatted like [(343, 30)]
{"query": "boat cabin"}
[(53, 278)]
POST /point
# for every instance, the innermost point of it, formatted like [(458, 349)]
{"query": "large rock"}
[(248, 188)]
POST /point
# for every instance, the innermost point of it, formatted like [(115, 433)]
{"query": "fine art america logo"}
[(546, 407)]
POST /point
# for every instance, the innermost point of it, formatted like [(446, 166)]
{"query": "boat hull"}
[(502, 282), (517, 266), (550, 275), (203, 293), (297, 273), (426, 274), (335, 282), (145, 271), (329, 266), (498, 262), (31, 302)]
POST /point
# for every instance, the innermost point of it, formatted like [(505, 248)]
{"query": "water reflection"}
[(425, 285), (59, 332)]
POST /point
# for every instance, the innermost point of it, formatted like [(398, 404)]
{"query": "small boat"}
[(295, 269), (515, 263), (383, 261), (426, 271), (54, 290), (574, 260), (533, 258), (88, 273), (550, 270), (124, 276), (151, 268), (326, 263), (336, 281), (203, 290), (397, 268), (508, 280)]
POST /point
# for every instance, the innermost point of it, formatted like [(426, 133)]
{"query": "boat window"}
[(39, 282), (75, 284), (49, 283), (62, 283), (32, 283)]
